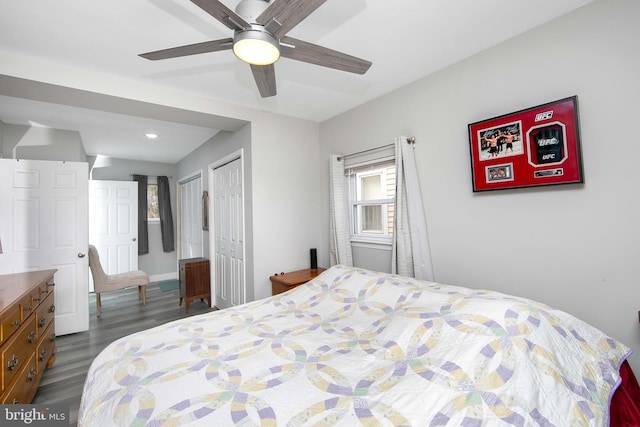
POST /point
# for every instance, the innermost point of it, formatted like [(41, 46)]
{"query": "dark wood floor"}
[(122, 314)]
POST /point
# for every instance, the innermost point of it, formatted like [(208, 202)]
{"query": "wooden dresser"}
[(195, 281), (27, 333), (283, 282)]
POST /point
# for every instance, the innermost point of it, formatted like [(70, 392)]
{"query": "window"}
[(153, 209), (372, 193)]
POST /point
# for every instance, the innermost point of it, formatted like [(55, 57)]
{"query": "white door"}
[(43, 225), (113, 224), (228, 218)]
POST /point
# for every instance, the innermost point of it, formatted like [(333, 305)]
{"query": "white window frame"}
[(354, 175)]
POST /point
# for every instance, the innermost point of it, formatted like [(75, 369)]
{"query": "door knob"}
[(80, 255)]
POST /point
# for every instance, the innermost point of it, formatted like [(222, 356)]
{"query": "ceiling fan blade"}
[(223, 14), (288, 13), (265, 77), (191, 49), (318, 55)]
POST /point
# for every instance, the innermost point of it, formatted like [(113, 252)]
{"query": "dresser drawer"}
[(15, 316), (25, 385), (46, 348), (36, 298), (27, 332), (46, 287), (28, 305), (45, 313), (17, 350), (9, 323)]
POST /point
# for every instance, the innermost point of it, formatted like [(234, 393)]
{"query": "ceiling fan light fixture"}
[(256, 47)]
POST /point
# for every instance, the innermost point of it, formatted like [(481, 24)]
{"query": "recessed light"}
[(151, 135)]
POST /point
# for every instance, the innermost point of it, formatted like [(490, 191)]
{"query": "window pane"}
[(372, 219), (153, 210), (371, 187)]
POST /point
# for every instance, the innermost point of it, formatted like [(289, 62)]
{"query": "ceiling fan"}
[(260, 29)]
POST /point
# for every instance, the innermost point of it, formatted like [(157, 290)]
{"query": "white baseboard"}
[(163, 277)]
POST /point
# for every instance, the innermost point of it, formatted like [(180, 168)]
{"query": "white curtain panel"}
[(340, 236), (410, 253)]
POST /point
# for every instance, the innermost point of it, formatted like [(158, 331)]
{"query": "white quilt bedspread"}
[(354, 347)]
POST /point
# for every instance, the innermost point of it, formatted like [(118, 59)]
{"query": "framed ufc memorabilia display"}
[(528, 148)]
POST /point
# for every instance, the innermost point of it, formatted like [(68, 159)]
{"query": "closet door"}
[(228, 218)]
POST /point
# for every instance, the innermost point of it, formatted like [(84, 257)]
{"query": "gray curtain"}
[(143, 230), (166, 218)]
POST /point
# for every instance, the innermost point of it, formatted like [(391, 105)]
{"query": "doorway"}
[(113, 224)]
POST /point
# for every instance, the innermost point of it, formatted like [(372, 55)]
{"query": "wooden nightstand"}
[(194, 280), (283, 282)]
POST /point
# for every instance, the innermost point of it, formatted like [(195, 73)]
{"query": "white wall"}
[(286, 196), (574, 247), (39, 143)]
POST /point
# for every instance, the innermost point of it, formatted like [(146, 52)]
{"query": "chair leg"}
[(142, 290), (97, 304)]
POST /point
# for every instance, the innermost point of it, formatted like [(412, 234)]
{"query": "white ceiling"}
[(405, 39), (113, 135)]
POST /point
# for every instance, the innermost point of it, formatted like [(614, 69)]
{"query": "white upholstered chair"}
[(103, 282)]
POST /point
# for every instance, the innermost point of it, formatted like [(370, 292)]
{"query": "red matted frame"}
[(529, 148)]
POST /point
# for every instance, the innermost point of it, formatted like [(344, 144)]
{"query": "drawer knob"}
[(15, 323), (52, 309), (32, 337), (43, 354), (42, 322), (31, 375), (11, 364)]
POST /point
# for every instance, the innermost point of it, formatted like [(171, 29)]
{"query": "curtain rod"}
[(410, 140), (134, 174)]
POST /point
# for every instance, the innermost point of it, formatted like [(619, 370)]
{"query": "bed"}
[(355, 347)]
